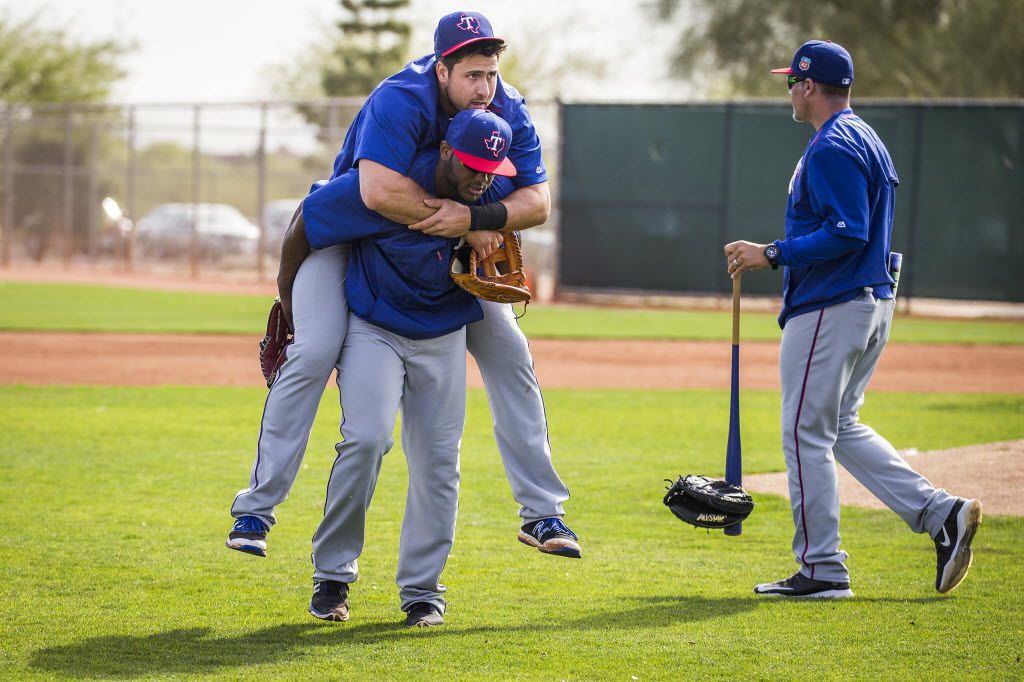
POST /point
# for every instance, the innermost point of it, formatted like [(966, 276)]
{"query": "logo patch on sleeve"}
[(841, 224)]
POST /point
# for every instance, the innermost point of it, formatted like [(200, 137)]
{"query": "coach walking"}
[(838, 301)]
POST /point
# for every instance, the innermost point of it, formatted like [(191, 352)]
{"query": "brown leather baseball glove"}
[(274, 345), (499, 277)]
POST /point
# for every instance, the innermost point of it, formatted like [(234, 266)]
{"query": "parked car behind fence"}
[(277, 215), (167, 231)]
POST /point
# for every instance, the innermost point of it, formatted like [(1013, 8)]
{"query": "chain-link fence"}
[(647, 191), (189, 185)]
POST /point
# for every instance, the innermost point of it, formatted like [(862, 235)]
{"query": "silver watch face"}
[(771, 252)]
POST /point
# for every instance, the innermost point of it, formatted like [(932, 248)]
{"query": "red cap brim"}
[(504, 167), (467, 42), (785, 69)]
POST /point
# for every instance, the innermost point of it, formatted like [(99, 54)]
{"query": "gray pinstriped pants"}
[(320, 313), (496, 343), (826, 360), (381, 372)]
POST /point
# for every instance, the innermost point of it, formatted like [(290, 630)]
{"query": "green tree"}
[(46, 65), (373, 43), (369, 44), (901, 48), (41, 65)]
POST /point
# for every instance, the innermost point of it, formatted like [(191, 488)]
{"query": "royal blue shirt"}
[(838, 218), (397, 278), (403, 116)]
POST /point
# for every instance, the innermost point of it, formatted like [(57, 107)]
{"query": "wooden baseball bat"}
[(733, 451)]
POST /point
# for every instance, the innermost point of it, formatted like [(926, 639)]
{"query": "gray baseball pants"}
[(381, 372), (496, 342), (826, 359), (320, 314)]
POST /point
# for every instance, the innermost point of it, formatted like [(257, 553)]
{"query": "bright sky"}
[(217, 50)]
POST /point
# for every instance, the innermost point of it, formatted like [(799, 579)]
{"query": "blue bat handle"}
[(733, 450)]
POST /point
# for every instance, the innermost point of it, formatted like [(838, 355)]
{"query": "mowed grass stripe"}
[(60, 307), (116, 508), (89, 308)]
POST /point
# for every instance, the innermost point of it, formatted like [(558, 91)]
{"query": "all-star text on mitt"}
[(708, 503)]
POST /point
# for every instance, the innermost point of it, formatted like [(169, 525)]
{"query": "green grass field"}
[(115, 509), (58, 307)]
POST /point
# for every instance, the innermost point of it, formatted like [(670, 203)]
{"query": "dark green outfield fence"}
[(650, 193)]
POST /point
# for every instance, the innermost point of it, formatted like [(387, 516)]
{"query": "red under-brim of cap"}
[(503, 167), (467, 42), (786, 69)]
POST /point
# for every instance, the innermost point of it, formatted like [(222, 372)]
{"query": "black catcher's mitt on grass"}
[(708, 503)]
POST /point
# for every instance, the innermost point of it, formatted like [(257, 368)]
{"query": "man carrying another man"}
[(406, 347), (407, 113)]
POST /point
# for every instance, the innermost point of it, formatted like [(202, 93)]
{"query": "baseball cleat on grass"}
[(330, 600), (249, 535), (551, 536), (423, 615), (799, 585), (953, 544)]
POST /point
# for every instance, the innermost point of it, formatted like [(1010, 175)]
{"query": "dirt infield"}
[(991, 472), (204, 360), (210, 360)]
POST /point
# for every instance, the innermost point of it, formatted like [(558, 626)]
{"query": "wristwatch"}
[(771, 253)]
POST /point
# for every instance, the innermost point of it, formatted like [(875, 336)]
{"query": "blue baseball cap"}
[(823, 62), (481, 140), (459, 29)]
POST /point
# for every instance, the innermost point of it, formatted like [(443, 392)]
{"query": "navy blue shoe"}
[(551, 536), (423, 615), (249, 535), (330, 600), (953, 544), (799, 585)]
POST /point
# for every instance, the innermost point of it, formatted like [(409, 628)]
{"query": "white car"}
[(223, 230), (277, 215)]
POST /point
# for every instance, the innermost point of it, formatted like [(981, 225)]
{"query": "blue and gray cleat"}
[(249, 534)]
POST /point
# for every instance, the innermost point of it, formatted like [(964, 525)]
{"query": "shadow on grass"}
[(184, 651), (193, 651), (934, 599)]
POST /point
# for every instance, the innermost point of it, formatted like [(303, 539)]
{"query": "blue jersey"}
[(838, 218), (397, 278), (403, 116)]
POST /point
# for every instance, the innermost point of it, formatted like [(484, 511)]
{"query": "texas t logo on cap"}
[(467, 22), (495, 143), (479, 139), (459, 29)]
